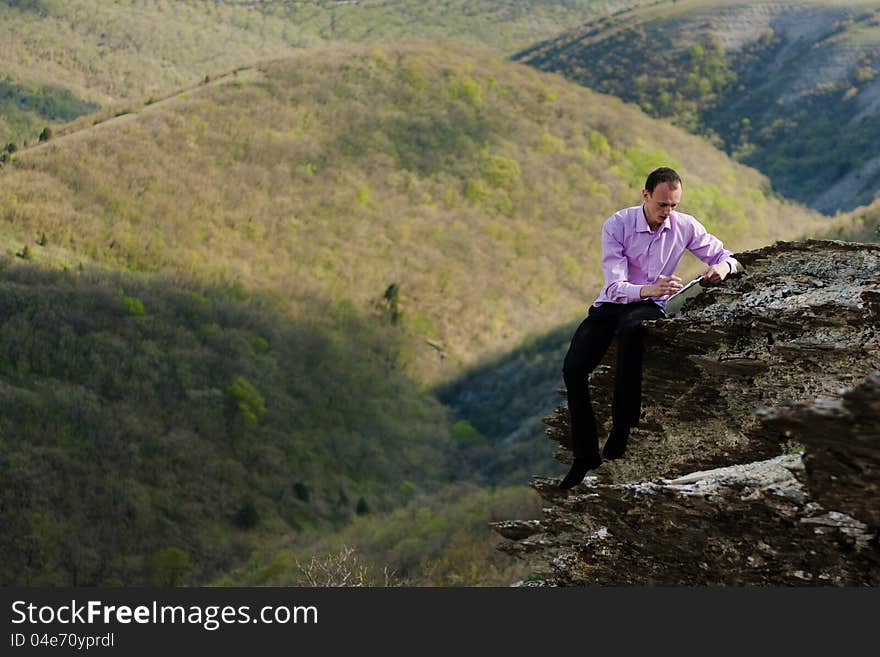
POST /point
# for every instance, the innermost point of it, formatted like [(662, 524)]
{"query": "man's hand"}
[(717, 273), (663, 287)]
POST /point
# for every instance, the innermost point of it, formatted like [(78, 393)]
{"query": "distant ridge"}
[(69, 52), (792, 89)]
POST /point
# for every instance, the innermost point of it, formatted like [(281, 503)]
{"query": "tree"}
[(246, 399), (301, 491), (247, 517), (168, 567), (46, 135), (392, 298), (345, 568)]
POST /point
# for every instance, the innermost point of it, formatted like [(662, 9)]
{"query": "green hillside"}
[(791, 89), (860, 225), (231, 307), (94, 51), (437, 539), (143, 418), (473, 185)]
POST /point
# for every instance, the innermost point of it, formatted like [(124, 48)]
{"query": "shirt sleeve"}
[(709, 248), (615, 267)]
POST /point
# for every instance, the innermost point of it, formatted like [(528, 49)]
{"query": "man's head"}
[(662, 194)]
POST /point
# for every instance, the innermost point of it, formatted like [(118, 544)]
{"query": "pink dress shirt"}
[(633, 255)]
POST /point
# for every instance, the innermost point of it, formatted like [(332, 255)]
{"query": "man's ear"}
[(646, 194)]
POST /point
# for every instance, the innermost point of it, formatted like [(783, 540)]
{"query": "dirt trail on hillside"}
[(139, 107)]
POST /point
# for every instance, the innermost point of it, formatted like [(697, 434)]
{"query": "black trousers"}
[(588, 346)]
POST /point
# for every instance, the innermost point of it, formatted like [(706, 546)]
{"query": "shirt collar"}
[(642, 222)]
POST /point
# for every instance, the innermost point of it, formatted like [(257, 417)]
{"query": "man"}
[(641, 247)]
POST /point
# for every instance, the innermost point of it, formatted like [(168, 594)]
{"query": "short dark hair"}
[(662, 175)]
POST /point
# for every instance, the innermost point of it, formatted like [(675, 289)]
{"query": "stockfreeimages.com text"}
[(210, 617)]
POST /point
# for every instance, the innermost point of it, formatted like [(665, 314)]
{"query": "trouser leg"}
[(626, 407), (588, 346)]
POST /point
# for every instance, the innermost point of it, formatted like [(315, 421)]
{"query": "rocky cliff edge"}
[(757, 460)]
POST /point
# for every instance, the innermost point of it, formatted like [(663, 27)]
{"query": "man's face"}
[(660, 204)]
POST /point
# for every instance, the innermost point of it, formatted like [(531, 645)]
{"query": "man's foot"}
[(579, 470), (615, 446)]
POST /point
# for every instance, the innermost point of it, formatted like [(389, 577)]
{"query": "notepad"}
[(686, 287)]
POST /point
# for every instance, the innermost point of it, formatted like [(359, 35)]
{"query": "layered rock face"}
[(757, 459)]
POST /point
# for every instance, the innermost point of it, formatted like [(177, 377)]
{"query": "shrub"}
[(465, 434), (363, 195), (301, 491), (344, 568), (247, 517), (392, 299), (500, 171), (134, 306), (247, 399), (168, 567), (468, 90)]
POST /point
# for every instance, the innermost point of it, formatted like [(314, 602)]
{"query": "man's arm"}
[(711, 251), (615, 266)]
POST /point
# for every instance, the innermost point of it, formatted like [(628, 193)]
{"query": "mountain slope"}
[(860, 225), (474, 186), (105, 53), (143, 418), (791, 89)]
